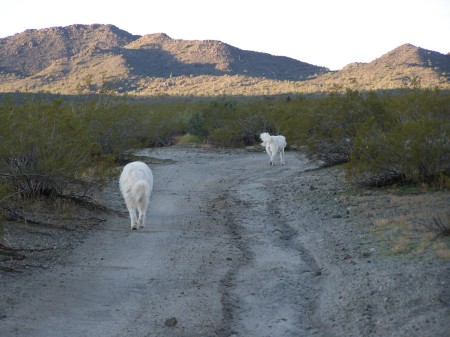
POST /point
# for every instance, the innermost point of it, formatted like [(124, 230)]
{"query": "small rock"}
[(170, 322)]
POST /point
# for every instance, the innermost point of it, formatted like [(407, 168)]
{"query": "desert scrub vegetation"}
[(228, 122), (49, 145), (411, 144), (56, 148), (383, 138), (41, 147)]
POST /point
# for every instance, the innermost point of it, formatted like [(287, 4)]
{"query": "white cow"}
[(136, 184), (273, 145)]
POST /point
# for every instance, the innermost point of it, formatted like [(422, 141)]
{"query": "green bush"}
[(161, 124), (412, 144), (228, 123), (329, 124), (189, 139), (225, 137), (416, 151), (47, 146), (42, 145)]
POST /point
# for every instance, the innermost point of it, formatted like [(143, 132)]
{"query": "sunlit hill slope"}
[(82, 59)]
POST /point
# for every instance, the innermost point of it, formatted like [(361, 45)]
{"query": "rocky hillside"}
[(33, 51), (103, 58), (405, 66)]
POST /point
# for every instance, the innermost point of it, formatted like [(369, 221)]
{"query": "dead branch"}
[(10, 270), (86, 201), (15, 249)]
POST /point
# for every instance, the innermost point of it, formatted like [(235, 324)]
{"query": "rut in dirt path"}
[(272, 289)]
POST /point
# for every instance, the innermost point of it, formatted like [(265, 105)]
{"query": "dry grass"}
[(407, 222)]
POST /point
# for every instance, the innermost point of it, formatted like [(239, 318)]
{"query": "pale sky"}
[(329, 33)]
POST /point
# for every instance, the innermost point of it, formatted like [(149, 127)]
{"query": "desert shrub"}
[(417, 151), (227, 123), (421, 149), (224, 137), (413, 145), (188, 139), (42, 145), (5, 194), (112, 128), (218, 113), (249, 120), (162, 123), (329, 125), (45, 146), (195, 124), (369, 147), (291, 121)]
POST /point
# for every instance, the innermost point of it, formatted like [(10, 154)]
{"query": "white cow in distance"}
[(273, 145)]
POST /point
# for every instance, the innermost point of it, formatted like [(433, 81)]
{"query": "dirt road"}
[(232, 247)]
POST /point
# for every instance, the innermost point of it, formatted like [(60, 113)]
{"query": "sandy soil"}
[(233, 247)]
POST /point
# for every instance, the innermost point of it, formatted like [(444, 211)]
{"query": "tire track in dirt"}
[(272, 288)]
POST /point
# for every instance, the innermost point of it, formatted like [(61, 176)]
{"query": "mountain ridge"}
[(404, 66), (104, 58)]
